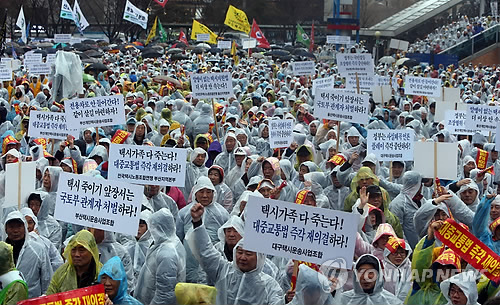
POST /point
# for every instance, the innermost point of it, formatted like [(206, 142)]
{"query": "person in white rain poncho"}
[(460, 289), (241, 281), (159, 200), (30, 257), (313, 288), (224, 194), (235, 173), (397, 267), (165, 262), (215, 216), (48, 226), (226, 158), (194, 169), (137, 246), (49, 185)]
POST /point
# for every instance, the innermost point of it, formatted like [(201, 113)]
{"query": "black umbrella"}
[(179, 56), (89, 41), (82, 55), (174, 51), (409, 63), (52, 51), (96, 67), (19, 51), (151, 54), (82, 47), (215, 50), (93, 53), (179, 44), (43, 52), (198, 50), (277, 53), (304, 53)]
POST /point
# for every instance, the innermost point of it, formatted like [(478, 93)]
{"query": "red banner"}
[(471, 249), (89, 295), (120, 136), (257, 34), (294, 278), (481, 158)]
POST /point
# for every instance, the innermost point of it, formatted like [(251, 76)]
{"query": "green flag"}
[(162, 33), (302, 36)]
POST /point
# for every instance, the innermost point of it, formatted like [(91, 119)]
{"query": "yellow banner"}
[(199, 28), (152, 33), (237, 20)]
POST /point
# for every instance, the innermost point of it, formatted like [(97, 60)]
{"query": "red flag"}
[(257, 34), (311, 43), (161, 2), (182, 38)]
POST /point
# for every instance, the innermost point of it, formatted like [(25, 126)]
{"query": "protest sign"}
[(32, 59), (497, 138), (399, 44), (391, 145), (203, 37), (303, 67), (382, 94), (95, 112), (323, 83), (394, 83), (62, 38), (454, 122), (449, 95), (5, 72), (44, 124), (341, 106), (423, 156), (107, 205), (223, 44), (366, 82), (383, 81), (468, 247), (482, 117), (300, 232), (18, 189), (337, 39), (423, 86), (40, 68), (147, 165), (249, 43), (50, 59), (280, 133), (91, 295), (349, 64), (444, 106), (212, 85)]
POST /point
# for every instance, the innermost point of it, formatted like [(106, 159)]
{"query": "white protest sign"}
[(394, 83), (212, 85), (133, 14), (280, 133), (50, 59), (399, 44), (366, 82), (336, 39), (341, 106), (449, 95), (303, 67), (482, 117), (32, 59), (323, 83), (147, 165), (62, 38), (44, 124), (102, 204), (454, 122), (442, 107), (95, 112), (5, 72), (349, 64), (423, 86), (202, 37), (300, 232), (249, 43), (383, 81), (423, 157), (223, 44), (391, 145), (40, 68), (14, 194), (382, 94), (497, 138), (7, 62)]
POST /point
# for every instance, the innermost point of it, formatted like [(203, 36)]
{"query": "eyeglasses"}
[(399, 253)]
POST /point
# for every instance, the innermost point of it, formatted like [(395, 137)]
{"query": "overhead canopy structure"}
[(410, 17)]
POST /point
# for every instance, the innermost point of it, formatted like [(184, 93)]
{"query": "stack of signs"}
[(482, 117), (360, 65), (303, 68), (97, 203), (147, 165), (340, 105), (391, 145), (300, 232), (212, 85), (425, 86), (95, 112), (280, 133)]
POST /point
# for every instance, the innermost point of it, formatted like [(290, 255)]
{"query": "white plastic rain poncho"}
[(226, 158), (397, 279), (352, 132), (33, 261), (336, 195), (215, 216), (165, 262), (162, 200), (109, 247), (50, 198), (470, 185), (379, 294), (48, 226), (236, 172), (158, 137), (56, 259), (404, 208), (202, 122), (193, 171), (312, 288), (137, 249), (233, 285), (466, 281), (262, 146)]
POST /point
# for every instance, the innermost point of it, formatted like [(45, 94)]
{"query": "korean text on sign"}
[(108, 205), (323, 83), (348, 64), (52, 125), (147, 165), (95, 112), (280, 133), (455, 122), (423, 86), (341, 106), (84, 296), (391, 145), (482, 117), (300, 232), (303, 67), (212, 85)]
